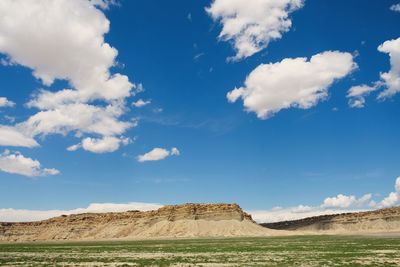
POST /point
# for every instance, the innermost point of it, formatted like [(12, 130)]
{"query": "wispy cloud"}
[(198, 56), (358, 93), (395, 7), (158, 154), (141, 103), (4, 102)]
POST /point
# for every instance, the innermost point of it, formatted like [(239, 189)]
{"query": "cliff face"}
[(384, 220), (189, 220)]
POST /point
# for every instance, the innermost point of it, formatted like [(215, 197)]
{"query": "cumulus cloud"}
[(158, 154), (343, 201), (82, 118), (86, 58), (293, 82), (4, 102), (10, 136), (395, 7), (16, 163), (100, 145), (141, 103), (95, 100), (391, 80), (393, 198), (252, 25), (23, 215)]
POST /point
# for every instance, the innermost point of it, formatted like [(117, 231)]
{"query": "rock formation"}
[(189, 220), (383, 220)]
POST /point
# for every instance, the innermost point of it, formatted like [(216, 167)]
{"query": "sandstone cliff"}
[(383, 220), (189, 220)]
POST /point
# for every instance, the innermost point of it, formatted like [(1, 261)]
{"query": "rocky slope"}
[(189, 220), (383, 220)]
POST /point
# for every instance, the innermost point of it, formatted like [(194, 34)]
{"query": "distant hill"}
[(188, 220), (383, 220)]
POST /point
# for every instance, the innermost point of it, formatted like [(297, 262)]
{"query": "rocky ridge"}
[(383, 220), (188, 220)]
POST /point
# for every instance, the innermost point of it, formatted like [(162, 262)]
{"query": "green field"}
[(274, 251)]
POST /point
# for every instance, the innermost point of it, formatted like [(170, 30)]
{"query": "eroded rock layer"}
[(189, 220), (383, 220)]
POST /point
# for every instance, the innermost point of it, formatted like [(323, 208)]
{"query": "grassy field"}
[(274, 251)]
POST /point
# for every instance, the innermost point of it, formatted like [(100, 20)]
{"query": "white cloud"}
[(360, 90), (141, 103), (21, 215), (395, 8), (343, 201), (104, 4), (393, 198), (293, 82), (10, 136), (85, 63), (74, 147), (175, 151), (16, 163), (357, 95), (235, 94), (252, 25), (391, 79), (106, 144), (86, 58), (101, 145), (4, 102), (78, 117), (158, 154), (357, 102)]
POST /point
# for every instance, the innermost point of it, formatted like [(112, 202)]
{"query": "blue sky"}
[(210, 150)]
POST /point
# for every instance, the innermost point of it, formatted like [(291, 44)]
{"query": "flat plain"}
[(266, 251)]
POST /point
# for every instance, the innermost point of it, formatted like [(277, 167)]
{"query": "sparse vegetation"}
[(272, 251)]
